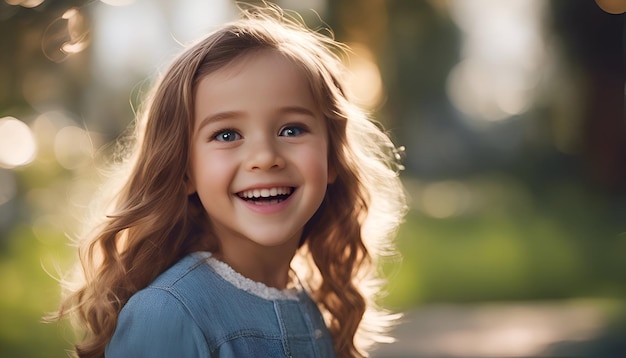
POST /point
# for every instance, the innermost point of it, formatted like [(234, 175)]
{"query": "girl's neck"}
[(270, 267)]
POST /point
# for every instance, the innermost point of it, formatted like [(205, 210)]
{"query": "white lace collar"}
[(243, 283)]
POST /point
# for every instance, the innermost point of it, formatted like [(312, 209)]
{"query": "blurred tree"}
[(595, 41)]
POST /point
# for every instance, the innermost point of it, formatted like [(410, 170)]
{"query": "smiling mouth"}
[(266, 196)]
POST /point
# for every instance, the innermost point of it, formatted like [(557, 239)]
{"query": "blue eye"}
[(227, 135), (292, 131)]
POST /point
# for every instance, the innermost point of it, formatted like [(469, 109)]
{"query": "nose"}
[(264, 154)]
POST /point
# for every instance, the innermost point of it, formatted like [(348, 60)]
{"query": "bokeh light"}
[(365, 81), (67, 35), (612, 6), (45, 128), (489, 92), (17, 143), (25, 3), (73, 147)]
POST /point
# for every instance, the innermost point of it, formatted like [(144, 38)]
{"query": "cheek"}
[(209, 171), (315, 163)]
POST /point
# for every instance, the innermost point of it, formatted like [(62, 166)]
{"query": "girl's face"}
[(259, 152)]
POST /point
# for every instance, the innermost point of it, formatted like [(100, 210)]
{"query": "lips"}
[(271, 195)]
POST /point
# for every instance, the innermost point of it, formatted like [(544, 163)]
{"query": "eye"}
[(292, 131), (226, 135)]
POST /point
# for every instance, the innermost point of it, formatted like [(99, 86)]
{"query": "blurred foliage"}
[(492, 218), (513, 246), (28, 294)]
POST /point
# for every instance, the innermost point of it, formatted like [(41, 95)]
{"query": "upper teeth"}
[(265, 193)]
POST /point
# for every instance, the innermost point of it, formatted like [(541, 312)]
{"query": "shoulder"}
[(173, 289), (157, 322), (186, 268)]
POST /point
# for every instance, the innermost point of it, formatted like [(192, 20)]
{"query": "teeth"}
[(265, 192)]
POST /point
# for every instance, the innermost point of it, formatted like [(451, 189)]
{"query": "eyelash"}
[(218, 135), (221, 132), (299, 128)]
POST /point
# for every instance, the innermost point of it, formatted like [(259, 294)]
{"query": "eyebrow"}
[(221, 116)]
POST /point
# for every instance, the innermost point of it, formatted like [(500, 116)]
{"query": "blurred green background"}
[(511, 112)]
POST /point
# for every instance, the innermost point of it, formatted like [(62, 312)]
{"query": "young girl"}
[(256, 205)]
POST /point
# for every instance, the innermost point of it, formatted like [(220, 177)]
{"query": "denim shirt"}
[(192, 311)]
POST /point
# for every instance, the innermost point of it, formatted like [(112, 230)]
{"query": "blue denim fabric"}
[(191, 311)]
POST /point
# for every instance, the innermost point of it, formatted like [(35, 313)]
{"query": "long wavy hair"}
[(153, 222)]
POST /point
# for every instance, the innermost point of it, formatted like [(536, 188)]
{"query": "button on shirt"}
[(191, 310)]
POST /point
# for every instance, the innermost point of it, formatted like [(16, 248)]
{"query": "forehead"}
[(260, 64), (256, 81)]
